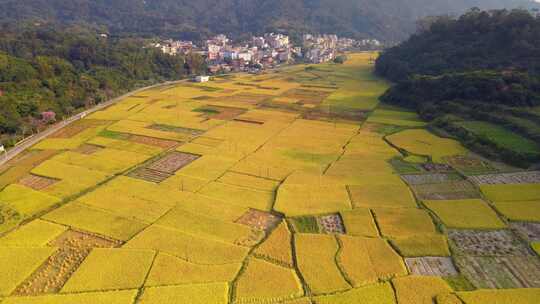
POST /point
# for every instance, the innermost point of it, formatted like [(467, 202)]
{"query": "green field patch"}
[(501, 137)]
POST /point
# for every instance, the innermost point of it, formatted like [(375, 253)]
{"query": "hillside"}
[(390, 20), (64, 70), (482, 67)]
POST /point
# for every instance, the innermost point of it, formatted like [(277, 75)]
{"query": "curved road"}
[(34, 139)]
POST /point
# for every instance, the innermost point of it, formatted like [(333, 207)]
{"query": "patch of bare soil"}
[(431, 266), (259, 220), (37, 182)]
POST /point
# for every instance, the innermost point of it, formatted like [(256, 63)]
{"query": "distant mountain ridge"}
[(389, 20)]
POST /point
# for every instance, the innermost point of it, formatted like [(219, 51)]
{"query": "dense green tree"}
[(66, 69)]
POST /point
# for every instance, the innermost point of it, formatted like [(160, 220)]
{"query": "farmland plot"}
[(453, 190), (529, 177), (262, 189), (488, 243), (431, 266), (501, 271), (531, 231)]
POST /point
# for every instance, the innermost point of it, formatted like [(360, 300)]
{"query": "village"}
[(265, 52)]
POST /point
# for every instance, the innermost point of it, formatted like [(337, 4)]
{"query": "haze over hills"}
[(390, 20)]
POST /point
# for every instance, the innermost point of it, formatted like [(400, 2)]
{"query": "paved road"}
[(30, 141)]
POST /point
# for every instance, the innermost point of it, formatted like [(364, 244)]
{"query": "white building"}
[(202, 78)]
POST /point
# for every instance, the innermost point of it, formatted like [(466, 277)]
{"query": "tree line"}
[(484, 65)]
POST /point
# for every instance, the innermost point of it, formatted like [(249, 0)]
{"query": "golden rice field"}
[(282, 187)]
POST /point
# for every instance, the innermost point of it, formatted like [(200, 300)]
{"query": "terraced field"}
[(293, 186)]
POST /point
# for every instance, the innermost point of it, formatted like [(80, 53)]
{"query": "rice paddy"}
[(294, 186)]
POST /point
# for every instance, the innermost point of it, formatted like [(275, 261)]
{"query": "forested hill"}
[(476, 77), (62, 70), (388, 20)]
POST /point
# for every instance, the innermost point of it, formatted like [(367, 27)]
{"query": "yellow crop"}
[(466, 214), (142, 128), (125, 145), (25, 200), (111, 269), (35, 233), (311, 199), (277, 247), (419, 289), (18, 264), (374, 294), (207, 167), (511, 192), (204, 205), (108, 297), (17, 168), (359, 222), (501, 296), (170, 270), (240, 196), (262, 280), (448, 298), (205, 227), (127, 206), (382, 196), (422, 245), (420, 141), (95, 220), (215, 293), (368, 260), (73, 179), (520, 210), (316, 261), (403, 222), (106, 160), (248, 181), (188, 247), (536, 247), (68, 143)]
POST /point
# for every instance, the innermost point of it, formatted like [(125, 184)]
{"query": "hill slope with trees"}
[(483, 67), (62, 70), (389, 20)]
